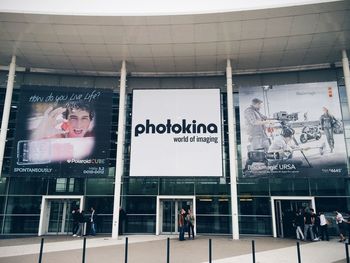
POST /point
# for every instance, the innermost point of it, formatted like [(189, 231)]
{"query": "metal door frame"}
[(279, 224), (174, 198), (44, 209), (291, 198)]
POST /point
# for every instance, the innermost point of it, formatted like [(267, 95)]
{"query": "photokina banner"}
[(62, 132), (292, 130), (176, 133)]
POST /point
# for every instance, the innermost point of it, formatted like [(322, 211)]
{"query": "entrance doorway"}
[(56, 214), (283, 213), (168, 209)]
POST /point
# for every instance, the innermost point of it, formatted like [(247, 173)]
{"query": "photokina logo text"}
[(176, 128)]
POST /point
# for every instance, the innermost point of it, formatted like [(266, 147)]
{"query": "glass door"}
[(170, 210), (285, 211), (279, 222), (169, 217), (60, 215)]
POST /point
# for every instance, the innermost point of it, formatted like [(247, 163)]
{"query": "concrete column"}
[(120, 151), (232, 148), (7, 109), (346, 71)]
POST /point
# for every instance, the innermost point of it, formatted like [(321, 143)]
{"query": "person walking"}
[(81, 222), (182, 224), (299, 224), (93, 218), (315, 225), (323, 227), (190, 223), (309, 221), (75, 216), (339, 219)]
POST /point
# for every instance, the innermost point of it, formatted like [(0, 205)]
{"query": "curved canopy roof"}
[(142, 8), (258, 39)]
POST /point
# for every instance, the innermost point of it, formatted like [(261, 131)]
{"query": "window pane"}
[(3, 184), (23, 205), (104, 224), (140, 224), (140, 205), (216, 187), (284, 186), (30, 186), (213, 224), (102, 205), (212, 205), (61, 186), (249, 186), (2, 204), (255, 225), (21, 224), (176, 187), (100, 186), (329, 186), (331, 204), (140, 186), (254, 206)]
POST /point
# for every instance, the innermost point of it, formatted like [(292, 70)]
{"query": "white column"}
[(120, 151), (232, 148), (7, 109), (346, 71)]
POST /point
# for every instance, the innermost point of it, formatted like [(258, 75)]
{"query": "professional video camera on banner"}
[(301, 136), (62, 132)]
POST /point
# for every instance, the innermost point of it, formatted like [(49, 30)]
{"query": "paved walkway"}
[(152, 249)]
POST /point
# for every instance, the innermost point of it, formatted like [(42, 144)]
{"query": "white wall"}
[(138, 7)]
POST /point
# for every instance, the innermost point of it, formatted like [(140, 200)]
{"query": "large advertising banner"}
[(62, 132), (176, 133), (292, 130)]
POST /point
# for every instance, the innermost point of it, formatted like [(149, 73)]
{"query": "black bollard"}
[(41, 250), (298, 250), (168, 250), (126, 250), (209, 250), (347, 253), (84, 248), (253, 250)]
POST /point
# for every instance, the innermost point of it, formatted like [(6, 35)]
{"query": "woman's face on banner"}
[(79, 123)]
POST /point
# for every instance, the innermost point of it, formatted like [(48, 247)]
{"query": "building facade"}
[(234, 202)]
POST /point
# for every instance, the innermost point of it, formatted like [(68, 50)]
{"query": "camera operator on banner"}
[(256, 129), (255, 122)]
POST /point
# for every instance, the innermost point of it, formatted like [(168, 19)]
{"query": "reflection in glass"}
[(168, 224), (217, 187), (256, 225), (100, 186), (29, 186), (254, 205), (140, 186), (102, 204), (289, 187), (23, 205), (213, 205), (213, 224), (21, 224), (140, 224), (176, 187), (140, 205)]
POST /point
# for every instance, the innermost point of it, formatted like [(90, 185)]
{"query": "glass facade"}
[(20, 198)]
